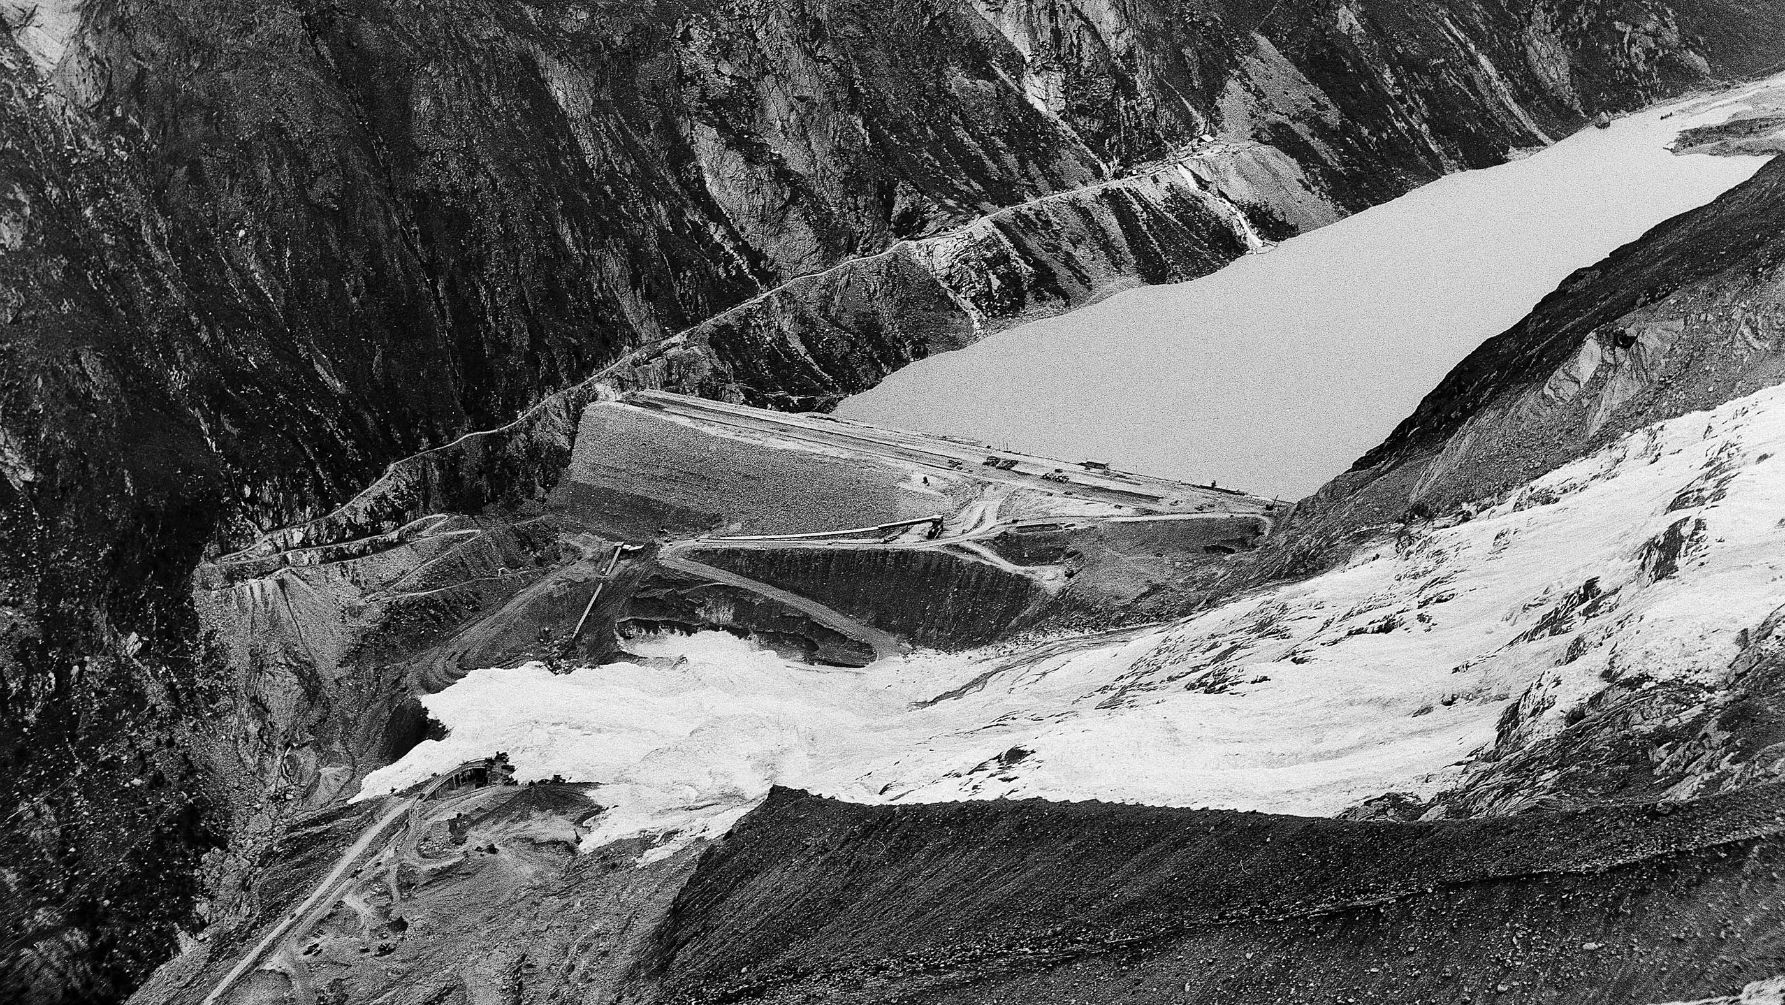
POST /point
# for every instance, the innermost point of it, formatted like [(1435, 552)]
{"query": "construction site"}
[(890, 538), (833, 543)]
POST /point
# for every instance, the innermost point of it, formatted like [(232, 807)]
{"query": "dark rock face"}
[(252, 253), (1015, 901), (943, 600)]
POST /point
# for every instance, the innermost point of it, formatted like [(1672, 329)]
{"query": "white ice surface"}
[(1379, 676), (1277, 372)]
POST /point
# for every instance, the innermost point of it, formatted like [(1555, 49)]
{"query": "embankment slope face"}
[(1021, 901), (631, 464)]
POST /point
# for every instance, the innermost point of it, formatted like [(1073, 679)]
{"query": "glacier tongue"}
[(1422, 666)]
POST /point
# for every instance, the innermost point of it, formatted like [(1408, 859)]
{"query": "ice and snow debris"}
[(1384, 675)]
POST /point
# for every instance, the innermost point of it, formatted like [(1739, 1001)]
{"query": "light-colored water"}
[(1276, 373)]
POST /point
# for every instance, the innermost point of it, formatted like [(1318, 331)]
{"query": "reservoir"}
[(1277, 372)]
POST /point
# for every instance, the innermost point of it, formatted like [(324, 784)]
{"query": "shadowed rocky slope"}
[(1028, 901), (252, 253), (810, 899)]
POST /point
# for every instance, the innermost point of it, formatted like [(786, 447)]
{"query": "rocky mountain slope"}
[(1011, 901), (1138, 904), (252, 253)]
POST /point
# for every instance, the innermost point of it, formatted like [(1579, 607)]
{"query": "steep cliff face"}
[(1433, 87), (251, 253)]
